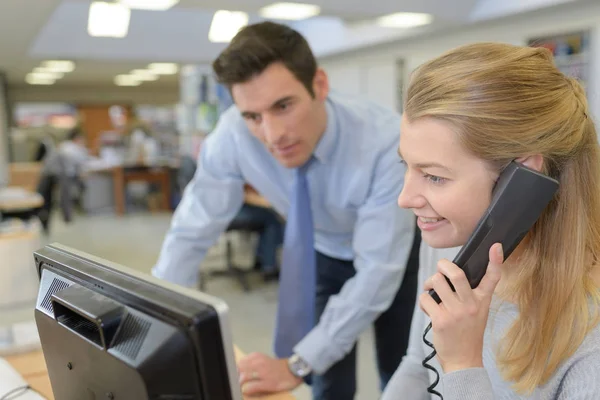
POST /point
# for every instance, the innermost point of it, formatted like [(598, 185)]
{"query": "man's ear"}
[(321, 85), (535, 162)]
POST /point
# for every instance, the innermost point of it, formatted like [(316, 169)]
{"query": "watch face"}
[(298, 367)]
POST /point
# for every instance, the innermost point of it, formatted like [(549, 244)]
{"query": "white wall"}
[(4, 125), (371, 71)]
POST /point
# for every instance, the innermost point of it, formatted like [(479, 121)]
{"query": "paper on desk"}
[(10, 379)]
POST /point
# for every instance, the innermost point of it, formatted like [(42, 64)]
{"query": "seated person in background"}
[(45, 147), (468, 114), (271, 236), (74, 152), (142, 147), (63, 166)]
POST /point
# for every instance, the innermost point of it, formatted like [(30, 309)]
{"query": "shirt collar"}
[(326, 144)]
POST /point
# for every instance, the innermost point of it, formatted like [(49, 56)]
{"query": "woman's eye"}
[(436, 180)]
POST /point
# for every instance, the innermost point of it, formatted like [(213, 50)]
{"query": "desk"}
[(33, 369), (19, 238), (25, 175), (256, 199), (17, 199), (122, 175), (252, 197)]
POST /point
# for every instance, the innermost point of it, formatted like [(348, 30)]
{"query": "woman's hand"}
[(459, 321)]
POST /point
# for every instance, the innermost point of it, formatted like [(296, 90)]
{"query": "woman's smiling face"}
[(448, 188)]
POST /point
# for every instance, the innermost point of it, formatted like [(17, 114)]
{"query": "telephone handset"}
[(518, 199)]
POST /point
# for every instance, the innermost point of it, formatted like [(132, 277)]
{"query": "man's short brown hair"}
[(257, 46)]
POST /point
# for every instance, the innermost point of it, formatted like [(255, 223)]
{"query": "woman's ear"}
[(535, 162)]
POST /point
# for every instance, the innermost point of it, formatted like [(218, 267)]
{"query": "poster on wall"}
[(571, 53)]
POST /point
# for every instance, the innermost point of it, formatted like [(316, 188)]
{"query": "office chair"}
[(243, 225), (232, 270)]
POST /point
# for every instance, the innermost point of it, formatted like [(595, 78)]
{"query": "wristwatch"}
[(298, 367)]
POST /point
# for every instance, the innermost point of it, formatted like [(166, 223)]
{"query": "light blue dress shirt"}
[(354, 186)]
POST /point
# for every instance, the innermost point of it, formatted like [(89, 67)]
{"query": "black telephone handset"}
[(518, 199)]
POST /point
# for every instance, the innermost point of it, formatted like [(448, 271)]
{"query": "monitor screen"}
[(109, 332)]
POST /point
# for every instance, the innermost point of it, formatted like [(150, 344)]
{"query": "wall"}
[(105, 94), (95, 119), (4, 125), (371, 72)]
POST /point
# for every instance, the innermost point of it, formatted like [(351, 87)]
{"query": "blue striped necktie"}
[(297, 281)]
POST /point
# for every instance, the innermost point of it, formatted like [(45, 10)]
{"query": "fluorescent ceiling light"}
[(157, 5), (58, 66), (404, 20), (108, 20), (45, 74), (289, 11), (143, 75), (32, 79), (163, 68), (126, 80), (226, 24)]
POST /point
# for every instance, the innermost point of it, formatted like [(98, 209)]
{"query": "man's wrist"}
[(298, 367)]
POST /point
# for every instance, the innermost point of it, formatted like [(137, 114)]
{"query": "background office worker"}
[(329, 164)]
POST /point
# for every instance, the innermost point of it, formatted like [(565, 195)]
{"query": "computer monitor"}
[(108, 332)]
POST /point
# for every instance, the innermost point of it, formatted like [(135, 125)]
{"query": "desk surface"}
[(32, 367), (256, 199), (15, 198)]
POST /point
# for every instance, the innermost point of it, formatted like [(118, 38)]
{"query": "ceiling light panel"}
[(156, 5), (289, 11), (404, 20), (108, 20), (225, 25)]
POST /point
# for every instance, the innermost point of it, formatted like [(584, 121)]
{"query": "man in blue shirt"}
[(284, 118)]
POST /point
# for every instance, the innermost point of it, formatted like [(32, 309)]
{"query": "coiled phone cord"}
[(431, 388)]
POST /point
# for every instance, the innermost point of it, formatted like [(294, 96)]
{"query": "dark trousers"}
[(271, 232), (46, 187), (392, 328)]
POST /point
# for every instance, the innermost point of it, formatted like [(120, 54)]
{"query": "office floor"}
[(135, 239)]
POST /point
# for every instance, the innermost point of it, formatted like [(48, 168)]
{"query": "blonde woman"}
[(529, 330)]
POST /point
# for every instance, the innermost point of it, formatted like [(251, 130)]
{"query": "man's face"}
[(282, 114)]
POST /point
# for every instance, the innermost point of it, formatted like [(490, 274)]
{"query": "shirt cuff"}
[(468, 384), (318, 350)]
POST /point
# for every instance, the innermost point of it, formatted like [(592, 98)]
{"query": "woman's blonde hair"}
[(507, 102)]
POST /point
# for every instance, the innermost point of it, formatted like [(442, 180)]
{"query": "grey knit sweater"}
[(578, 378)]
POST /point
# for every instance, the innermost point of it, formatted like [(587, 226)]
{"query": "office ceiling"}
[(35, 30)]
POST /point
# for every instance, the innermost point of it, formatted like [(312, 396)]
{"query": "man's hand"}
[(260, 374)]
